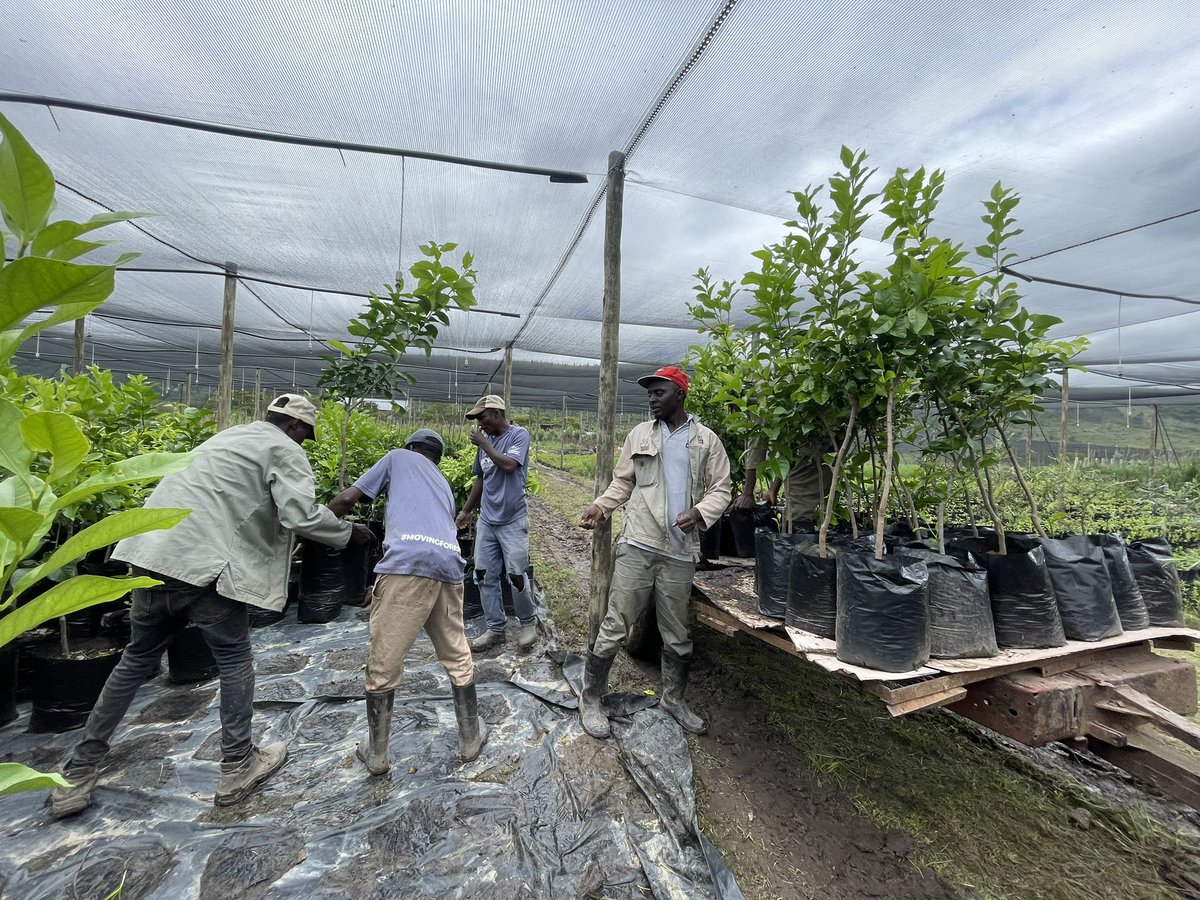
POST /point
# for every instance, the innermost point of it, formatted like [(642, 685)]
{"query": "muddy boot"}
[(487, 641), (472, 730), (595, 684), (526, 637), (373, 749), (675, 678), (239, 779), (74, 799)]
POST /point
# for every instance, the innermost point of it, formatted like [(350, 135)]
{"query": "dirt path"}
[(782, 833)]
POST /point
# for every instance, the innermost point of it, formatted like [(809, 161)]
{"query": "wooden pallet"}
[(725, 599)]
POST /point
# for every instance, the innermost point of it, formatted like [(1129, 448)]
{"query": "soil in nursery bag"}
[(322, 584), (188, 658), (1082, 588), (882, 611), (65, 690), (773, 553), (545, 811), (1154, 569), (1131, 607), (812, 589), (960, 608), (1024, 609)]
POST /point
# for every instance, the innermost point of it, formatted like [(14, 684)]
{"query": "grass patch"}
[(985, 817)]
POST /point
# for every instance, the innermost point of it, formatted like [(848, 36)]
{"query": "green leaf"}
[(59, 435), (15, 457), (107, 531), (65, 598), (32, 282), (56, 234), (16, 779), (26, 185), (19, 524), (149, 467)]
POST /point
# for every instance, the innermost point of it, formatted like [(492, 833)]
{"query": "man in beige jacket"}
[(673, 480)]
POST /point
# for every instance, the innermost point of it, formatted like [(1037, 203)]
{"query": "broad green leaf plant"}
[(42, 451)]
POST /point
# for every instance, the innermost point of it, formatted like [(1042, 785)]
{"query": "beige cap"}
[(491, 401), (297, 407)]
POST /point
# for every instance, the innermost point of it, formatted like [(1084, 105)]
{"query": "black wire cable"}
[(1105, 237), (557, 176)]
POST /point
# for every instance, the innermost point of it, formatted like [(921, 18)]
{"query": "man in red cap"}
[(673, 480)]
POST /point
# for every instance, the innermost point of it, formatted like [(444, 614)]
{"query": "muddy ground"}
[(782, 833)]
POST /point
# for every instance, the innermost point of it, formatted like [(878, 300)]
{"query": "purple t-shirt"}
[(421, 538), (503, 499)]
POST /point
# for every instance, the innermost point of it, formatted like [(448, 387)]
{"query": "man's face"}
[(300, 431), (491, 421), (665, 398)]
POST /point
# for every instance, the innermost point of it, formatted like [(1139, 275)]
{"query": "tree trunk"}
[(1033, 508), (834, 479), (886, 487)]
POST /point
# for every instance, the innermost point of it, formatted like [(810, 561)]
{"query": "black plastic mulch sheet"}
[(545, 811)]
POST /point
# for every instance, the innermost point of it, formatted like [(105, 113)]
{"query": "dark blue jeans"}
[(158, 615)]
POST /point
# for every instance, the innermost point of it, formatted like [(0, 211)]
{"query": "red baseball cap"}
[(673, 374)]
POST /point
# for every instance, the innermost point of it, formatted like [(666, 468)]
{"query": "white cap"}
[(297, 407)]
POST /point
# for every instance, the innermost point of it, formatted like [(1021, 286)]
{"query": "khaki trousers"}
[(401, 606), (639, 577)]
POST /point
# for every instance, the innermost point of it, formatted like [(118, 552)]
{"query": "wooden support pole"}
[(508, 380), (77, 366), (187, 390), (225, 372), (562, 434), (257, 394), (602, 548)]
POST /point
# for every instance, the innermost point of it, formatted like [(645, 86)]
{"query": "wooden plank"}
[(713, 622), (951, 695), (1168, 643), (719, 615), (1152, 756)]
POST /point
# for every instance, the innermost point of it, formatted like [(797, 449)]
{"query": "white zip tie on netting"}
[(37, 347), (197, 366)]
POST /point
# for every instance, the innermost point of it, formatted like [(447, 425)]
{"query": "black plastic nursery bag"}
[(960, 607), (812, 590), (322, 583), (1082, 587), (1128, 596), (1024, 610), (882, 611), (772, 552), (1154, 569)]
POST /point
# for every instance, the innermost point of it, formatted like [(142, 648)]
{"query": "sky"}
[(1087, 109)]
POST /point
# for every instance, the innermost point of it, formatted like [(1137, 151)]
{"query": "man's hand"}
[(744, 503), (361, 534), (688, 520), (479, 438), (592, 516), (463, 521)]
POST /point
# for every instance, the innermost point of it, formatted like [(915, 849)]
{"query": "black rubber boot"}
[(675, 678), (373, 749), (472, 730), (595, 684)]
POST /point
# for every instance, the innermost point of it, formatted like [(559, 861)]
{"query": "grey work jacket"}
[(250, 489), (638, 483)]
